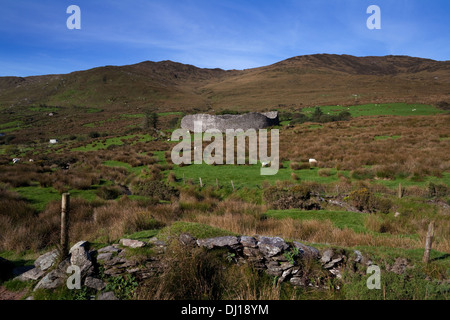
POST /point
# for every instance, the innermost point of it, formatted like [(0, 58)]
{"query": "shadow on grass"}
[(443, 257)]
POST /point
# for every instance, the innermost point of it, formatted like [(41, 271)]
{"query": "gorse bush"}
[(364, 200), (438, 190), (298, 197), (109, 192), (317, 116), (155, 189)]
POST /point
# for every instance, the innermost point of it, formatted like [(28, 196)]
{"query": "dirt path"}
[(11, 295)]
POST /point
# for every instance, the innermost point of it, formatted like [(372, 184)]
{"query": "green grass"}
[(248, 176), (93, 110), (39, 197), (340, 219), (11, 125), (387, 137), (118, 141), (142, 235), (386, 109), (197, 230), (407, 182), (46, 109)]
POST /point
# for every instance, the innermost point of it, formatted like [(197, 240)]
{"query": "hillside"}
[(300, 81)]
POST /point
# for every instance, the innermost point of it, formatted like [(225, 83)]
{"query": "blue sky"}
[(227, 34)]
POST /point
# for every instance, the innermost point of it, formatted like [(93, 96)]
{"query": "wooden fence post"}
[(217, 183), (65, 208), (201, 183), (400, 191), (429, 242), (232, 184)]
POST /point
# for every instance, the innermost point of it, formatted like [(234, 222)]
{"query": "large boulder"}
[(252, 120)]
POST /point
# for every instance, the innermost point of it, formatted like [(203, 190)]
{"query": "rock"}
[(81, 258), (113, 271), (47, 260), (336, 272), (159, 243), (271, 246), (249, 242), (284, 275), (186, 239), (274, 269), (80, 244), (333, 263), (221, 242), (306, 251), (107, 256), (33, 274), (52, 280), (247, 121), (286, 265), (397, 214), (132, 243), (358, 256), (109, 249), (114, 261), (252, 253), (399, 266), (94, 283), (327, 256), (17, 271), (297, 281), (107, 296)]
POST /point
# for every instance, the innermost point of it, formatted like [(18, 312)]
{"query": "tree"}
[(317, 114), (153, 120)]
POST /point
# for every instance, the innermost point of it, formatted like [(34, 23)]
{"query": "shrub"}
[(364, 200), (94, 134), (294, 166), (437, 190), (362, 174), (109, 192), (155, 189), (191, 274), (324, 172), (298, 197)]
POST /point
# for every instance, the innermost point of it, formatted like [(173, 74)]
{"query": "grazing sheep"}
[(312, 161)]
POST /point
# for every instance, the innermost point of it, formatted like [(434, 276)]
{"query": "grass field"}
[(370, 153), (385, 109)]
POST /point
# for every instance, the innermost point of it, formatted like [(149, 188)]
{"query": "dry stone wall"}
[(272, 255)]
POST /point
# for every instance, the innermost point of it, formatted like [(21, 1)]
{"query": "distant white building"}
[(53, 141)]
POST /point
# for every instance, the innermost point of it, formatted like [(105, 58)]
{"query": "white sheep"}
[(15, 160), (312, 161)]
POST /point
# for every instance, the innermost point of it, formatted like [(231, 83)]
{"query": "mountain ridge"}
[(301, 80)]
